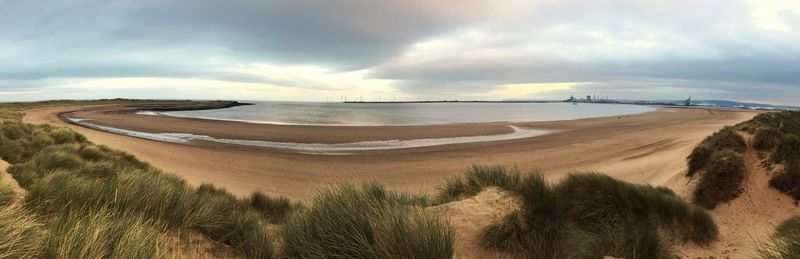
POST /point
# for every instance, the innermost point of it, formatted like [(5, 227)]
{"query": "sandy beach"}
[(643, 148)]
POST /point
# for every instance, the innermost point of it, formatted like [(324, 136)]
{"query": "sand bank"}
[(312, 148), (126, 117)]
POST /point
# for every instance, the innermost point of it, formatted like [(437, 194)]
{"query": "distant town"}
[(686, 102), (604, 100)]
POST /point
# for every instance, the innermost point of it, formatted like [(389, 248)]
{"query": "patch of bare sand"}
[(747, 221), (6, 178), (469, 216)]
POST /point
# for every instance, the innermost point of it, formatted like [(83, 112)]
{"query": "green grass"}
[(722, 181), (366, 221), (587, 215), (785, 242)]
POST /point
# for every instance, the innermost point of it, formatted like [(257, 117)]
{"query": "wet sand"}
[(644, 148), (127, 118)]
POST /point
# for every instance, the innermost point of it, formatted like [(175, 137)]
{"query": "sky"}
[(311, 50)]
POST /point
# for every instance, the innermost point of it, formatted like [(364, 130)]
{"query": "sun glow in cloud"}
[(767, 13), (520, 91), (254, 81)]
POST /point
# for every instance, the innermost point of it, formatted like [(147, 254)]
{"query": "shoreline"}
[(420, 124), (313, 148), (644, 148)]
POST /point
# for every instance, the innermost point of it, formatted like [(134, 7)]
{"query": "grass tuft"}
[(724, 139), (787, 151), (366, 221), (788, 181), (590, 215), (722, 181), (104, 234), (274, 209), (540, 230), (6, 194), (785, 242), (766, 138), (21, 235), (477, 178)]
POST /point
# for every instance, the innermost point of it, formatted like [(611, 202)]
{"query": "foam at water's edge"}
[(185, 138)]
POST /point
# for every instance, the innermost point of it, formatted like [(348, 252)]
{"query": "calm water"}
[(409, 113)]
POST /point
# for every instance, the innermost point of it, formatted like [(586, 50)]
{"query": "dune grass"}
[(785, 242), (6, 194), (788, 181), (587, 215), (366, 221), (477, 178), (274, 209), (722, 181), (78, 188), (539, 230), (787, 151), (21, 235), (784, 135), (766, 138), (725, 139), (721, 168), (104, 234), (778, 135)]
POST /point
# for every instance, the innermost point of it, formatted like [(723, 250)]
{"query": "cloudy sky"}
[(312, 50)]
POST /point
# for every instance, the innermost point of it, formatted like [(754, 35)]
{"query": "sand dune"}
[(469, 216), (645, 148), (748, 220)]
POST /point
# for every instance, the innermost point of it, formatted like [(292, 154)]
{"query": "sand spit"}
[(315, 148)]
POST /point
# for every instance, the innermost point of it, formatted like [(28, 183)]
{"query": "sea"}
[(374, 114)]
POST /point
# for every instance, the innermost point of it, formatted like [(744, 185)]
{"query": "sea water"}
[(306, 113)]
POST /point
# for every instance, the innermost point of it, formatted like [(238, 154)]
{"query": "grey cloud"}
[(705, 47), (714, 42), (72, 38)]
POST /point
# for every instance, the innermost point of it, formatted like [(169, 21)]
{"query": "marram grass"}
[(366, 221), (586, 215), (95, 202)]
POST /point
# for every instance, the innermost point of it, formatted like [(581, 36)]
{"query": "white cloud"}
[(767, 13)]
